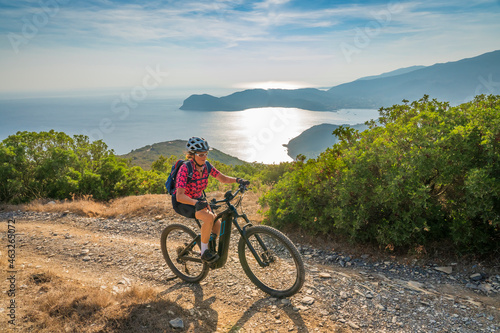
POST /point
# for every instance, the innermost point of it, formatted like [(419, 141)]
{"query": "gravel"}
[(354, 293)]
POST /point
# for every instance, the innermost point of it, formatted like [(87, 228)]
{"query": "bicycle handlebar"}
[(228, 197)]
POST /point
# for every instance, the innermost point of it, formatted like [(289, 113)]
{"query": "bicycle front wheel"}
[(182, 253), (281, 272)]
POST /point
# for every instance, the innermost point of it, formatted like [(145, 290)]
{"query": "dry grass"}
[(144, 205), (56, 304), (149, 205), (62, 306), (51, 301)]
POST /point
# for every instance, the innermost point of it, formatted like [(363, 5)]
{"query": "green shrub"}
[(424, 172), (54, 165)]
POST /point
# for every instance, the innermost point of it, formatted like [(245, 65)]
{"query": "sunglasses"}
[(202, 154)]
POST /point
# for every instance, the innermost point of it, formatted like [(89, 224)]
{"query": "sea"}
[(125, 124)]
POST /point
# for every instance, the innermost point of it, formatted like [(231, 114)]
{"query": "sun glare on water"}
[(273, 85)]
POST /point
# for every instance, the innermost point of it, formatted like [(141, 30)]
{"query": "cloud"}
[(193, 23), (275, 40), (266, 4)]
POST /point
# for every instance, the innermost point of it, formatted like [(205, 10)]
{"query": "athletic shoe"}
[(209, 256)]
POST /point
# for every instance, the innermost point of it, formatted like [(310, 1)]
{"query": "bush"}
[(55, 165), (424, 172)]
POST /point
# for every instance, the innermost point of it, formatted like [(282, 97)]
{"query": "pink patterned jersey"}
[(194, 189)]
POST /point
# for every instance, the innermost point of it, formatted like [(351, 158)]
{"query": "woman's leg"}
[(216, 228), (207, 217), (207, 226)]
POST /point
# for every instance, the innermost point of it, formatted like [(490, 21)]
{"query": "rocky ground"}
[(342, 293)]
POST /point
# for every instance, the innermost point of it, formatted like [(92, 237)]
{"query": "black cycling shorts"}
[(183, 209)]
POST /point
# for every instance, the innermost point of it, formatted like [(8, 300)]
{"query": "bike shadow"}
[(157, 315), (202, 317), (205, 318), (260, 304)]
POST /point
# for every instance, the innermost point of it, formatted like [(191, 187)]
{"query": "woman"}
[(188, 198)]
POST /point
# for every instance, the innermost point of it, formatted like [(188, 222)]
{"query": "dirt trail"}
[(115, 255)]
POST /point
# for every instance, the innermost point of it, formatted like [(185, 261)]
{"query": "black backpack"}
[(170, 183)]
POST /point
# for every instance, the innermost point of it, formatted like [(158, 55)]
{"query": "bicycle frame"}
[(228, 218)]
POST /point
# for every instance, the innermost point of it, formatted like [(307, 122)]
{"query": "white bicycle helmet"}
[(195, 145)]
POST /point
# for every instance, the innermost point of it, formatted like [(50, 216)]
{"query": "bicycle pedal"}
[(212, 264)]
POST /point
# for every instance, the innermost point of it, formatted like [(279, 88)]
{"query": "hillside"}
[(144, 156), (455, 82), (316, 140)]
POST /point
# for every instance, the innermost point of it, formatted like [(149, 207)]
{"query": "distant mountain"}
[(144, 156), (316, 139), (455, 82), (392, 73)]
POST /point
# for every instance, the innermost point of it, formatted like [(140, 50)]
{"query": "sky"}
[(71, 45)]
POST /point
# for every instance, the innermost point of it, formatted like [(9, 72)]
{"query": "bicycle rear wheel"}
[(283, 274), (182, 254)]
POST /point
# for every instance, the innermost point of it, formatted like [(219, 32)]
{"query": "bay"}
[(251, 135)]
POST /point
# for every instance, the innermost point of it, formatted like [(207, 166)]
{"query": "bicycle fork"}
[(250, 246)]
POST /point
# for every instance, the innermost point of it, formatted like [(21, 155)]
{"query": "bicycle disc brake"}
[(267, 257)]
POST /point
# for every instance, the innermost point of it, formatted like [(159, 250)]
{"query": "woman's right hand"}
[(243, 182), (201, 205)]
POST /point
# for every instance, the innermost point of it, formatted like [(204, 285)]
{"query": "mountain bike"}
[(268, 257)]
